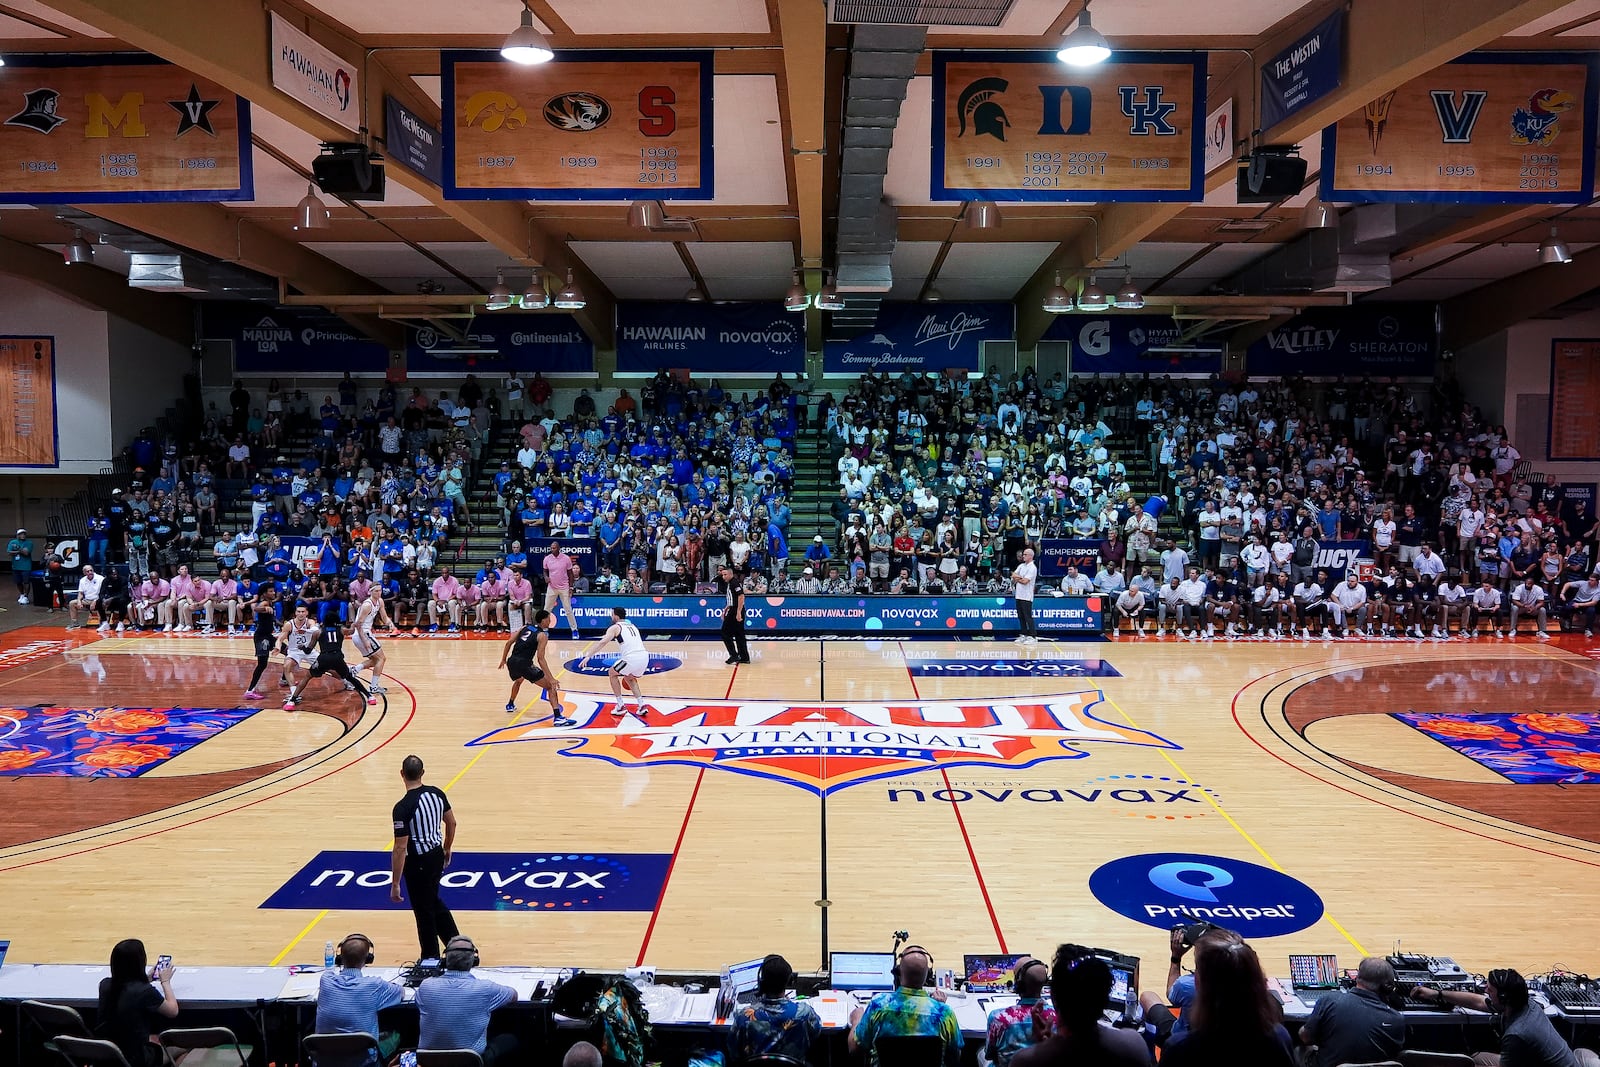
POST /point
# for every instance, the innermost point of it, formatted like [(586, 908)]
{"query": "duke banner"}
[(922, 338), (1304, 72), (1387, 340), (1122, 344), (1056, 554), (287, 341), (553, 344), (885, 615), (709, 338), (1488, 128)]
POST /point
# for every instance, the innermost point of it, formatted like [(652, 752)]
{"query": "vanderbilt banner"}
[(1506, 128), (602, 125), (1020, 126), (101, 129)]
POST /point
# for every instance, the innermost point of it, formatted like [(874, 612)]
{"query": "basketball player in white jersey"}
[(631, 663), (369, 612), (298, 643)]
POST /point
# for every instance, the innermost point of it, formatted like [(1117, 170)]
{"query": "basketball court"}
[(820, 798)]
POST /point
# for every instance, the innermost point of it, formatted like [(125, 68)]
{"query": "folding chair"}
[(89, 1052), (329, 1049), (207, 1046), (452, 1057), (53, 1020)]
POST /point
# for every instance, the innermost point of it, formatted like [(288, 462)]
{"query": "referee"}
[(733, 617), (424, 830)]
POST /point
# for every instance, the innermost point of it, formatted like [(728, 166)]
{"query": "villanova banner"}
[(1121, 344), (710, 338), (922, 339), (786, 616), (553, 344), (1056, 554), (269, 340), (1381, 340)]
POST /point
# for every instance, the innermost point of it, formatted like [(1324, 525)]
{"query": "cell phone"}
[(162, 963)]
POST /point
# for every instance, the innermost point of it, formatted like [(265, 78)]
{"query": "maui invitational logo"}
[(826, 747)]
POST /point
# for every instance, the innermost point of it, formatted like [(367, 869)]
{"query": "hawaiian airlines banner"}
[(551, 343), (1021, 126), (922, 338), (1387, 340), (1488, 128), (118, 129), (269, 340), (708, 338), (322, 80), (1128, 344)]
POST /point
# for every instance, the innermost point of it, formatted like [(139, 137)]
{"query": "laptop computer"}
[(5, 946), (861, 972), (1313, 972), (743, 979), (991, 974)]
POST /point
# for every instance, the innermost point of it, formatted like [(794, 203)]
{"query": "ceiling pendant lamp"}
[(499, 297), (646, 215), (311, 213), (932, 296), (983, 215), (526, 46), (1093, 298), (1319, 215), (77, 250), (535, 297), (695, 295), (796, 299), (829, 299), (570, 298), (1084, 46), (1554, 250), (1129, 297), (1057, 301)]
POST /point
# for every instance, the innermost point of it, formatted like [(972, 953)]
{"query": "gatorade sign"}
[(1164, 889)]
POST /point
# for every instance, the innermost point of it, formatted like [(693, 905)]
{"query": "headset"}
[(895, 970), (362, 938), (788, 971), (462, 943), (1022, 968)]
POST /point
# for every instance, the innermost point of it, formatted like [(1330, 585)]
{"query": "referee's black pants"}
[(434, 921), (733, 638)]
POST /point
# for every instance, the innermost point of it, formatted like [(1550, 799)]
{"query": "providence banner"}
[(1122, 344), (709, 338), (922, 338), (1383, 340)]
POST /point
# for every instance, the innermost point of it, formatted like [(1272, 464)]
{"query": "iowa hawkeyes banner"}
[(1021, 126), (103, 129), (601, 125), (1489, 128)]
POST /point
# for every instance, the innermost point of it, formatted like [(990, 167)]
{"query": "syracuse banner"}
[(268, 340), (1020, 126), (1488, 128), (1121, 344), (28, 402), (554, 344), (1574, 399), (902, 615), (708, 338), (602, 125), (1388, 340), (112, 129), (921, 338)]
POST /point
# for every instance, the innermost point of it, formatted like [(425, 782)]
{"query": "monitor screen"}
[(850, 971), (5, 946), (743, 977), (1122, 980), (991, 973), (1314, 972)]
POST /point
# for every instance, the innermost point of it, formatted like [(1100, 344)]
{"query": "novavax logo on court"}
[(1163, 889), (824, 747)]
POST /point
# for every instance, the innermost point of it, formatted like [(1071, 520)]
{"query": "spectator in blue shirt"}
[(818, 552), (348, 1002), (774, 1025), (453, 1009)]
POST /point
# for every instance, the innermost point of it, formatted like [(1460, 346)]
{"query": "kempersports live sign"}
[(922, 339), (1021, 126), (709, 338), (1503, 128), (110, 129), (603, 125)]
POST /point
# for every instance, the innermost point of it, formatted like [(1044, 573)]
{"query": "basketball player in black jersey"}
[(330, 660), (523, 659), (265, 636)]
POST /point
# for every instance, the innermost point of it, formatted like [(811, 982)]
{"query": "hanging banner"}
[(1488, 128), (1021, 126), (316, 76), (269, 340), (707, 338), (1127, 344), (1219, 136), (1382, 340), (1304, 72), (922, 339), (118, 129), (412, 141), (1574, 400), (28, 435), (554, 344), (587, 125)]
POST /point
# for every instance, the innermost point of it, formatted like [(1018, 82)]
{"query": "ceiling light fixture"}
[(1129, 297), (983, 215), (570, 298), (499, 297), (1084, 46), (695, 295), (1057, 301), (796, 299), (932, 296), (1554, 250), (1093, 298), (535, 297), (829, 299), (77, 250), (646, 214), (1319, 215), (526, 46), (311, 213)]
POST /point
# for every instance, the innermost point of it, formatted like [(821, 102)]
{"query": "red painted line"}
[(977, 871), (913, 679), (731, 678), (655, 913)]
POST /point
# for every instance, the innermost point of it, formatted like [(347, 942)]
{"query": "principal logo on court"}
[(1163, 889), (825, 747)]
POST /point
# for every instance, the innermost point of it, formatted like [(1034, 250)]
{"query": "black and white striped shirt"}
[(419, 817)]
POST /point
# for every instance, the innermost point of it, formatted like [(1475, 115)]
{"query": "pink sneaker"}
[(251, 694), (288, 705), (372, 702)]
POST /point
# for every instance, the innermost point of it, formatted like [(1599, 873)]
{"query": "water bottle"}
[(327, 955)]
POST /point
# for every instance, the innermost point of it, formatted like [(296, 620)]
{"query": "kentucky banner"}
[(709, 338), (554, 344), (269, 340), (1122, 344), (1389, 340), (922, 338)]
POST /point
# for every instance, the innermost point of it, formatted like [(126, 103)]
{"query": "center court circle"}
[(601, 663), (1165, 889)]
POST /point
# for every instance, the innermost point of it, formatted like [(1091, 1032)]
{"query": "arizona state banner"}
[(602, 125), (100, 129), (27, 402), (1021, 126), (1502, 128)]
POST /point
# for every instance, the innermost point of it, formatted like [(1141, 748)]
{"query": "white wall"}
[(146, 372), (83, 388)]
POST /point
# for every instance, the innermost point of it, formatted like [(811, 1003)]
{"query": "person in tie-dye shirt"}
[(1027, 1022), (774, 1025), (909, 1011)]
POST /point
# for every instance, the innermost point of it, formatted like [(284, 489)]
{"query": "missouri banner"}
[(1488, 128), (105, 129), (602, 125), (28, 402), (1020, 126)]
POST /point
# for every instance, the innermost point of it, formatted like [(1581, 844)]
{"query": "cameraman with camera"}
[(1162, 1019)]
